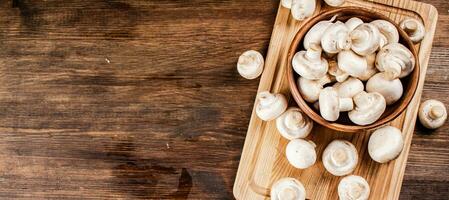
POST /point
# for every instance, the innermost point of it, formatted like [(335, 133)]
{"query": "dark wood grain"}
[(140, 99)]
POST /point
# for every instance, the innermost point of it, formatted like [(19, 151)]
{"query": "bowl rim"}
[(415, 75)]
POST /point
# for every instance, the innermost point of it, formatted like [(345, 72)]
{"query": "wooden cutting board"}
[(263, 158)]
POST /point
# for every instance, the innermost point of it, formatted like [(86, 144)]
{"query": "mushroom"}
[(351, 63), (301, 153), (335, 71), (349, 88), (270, 106), (334, 3), (414, 29), (368, 108), (391, 90), (310, 89), (365, 39), (250, 64), (396, 60), (302, 9), (293, 124), (336, 38), (353, 22), (286, 3), (388, 32), (309, 64), (288, 188), (331, 105), (432, 114), (315, 33), (371, 67), (385, 144), (340, 157), (353, 188)]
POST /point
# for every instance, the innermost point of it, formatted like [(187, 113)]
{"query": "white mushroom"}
[(288, 188), (336, 38), (336, 72), (310, 89), (396, 60), (301, 153), (349, 88), (353, 188), (365, 39), (340, 157), (302, 9), (414, 29), (250, 64), (334, 3), (331, 105), (309, 64), (388, 32), (286, 3), (368, 108), (315, 33), (293, 124), (351, 63), (371, 67), (385, 144), (432, 114), (391, 90), (270, 106), (353, 22)]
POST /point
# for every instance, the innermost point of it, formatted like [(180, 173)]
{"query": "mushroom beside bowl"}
[(343, 124)]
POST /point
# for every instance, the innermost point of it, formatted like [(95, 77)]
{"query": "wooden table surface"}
[(141, 99)]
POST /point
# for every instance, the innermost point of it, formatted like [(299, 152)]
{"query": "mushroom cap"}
[(371, 69), (432, 114), (270, 106), (301, 153), (313, 36), (353, 22), (293, 124), (391, 90), (385, 144), (336, 38), (351, 63), (286, 3), (302, 9), (414, 29), (309, 64), (369, 108), (353, 188), (349, 88), (334, 3), (310, 89), (329, 103), (396, 60), (340, 157), (288, 188), (250, 64), (335, 71), (365, 39), (388, 32)]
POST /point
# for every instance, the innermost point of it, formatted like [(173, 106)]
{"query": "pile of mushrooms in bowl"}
[(352, 69)]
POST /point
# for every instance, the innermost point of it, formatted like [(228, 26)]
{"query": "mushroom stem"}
[(436, 112), (346, 104), (314, 52), (356, 36), (339, 157), (410, 27), (266, 98), (294, 120), (287, 193)]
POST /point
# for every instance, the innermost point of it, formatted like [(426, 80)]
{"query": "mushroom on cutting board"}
[(391, 90), (340, 157), (432, 114), (414, 29), (365, 39), (288, 188), (336, 38), (250, 64), (331, 104), (310, 89), (385, 144), (396, 60), (349, 88), (302, 9), (388, 32), (270, 106), (351, 63), (353, 188), (368, 108), (309, 64), (287, 3), (301, 153), (294, 124)]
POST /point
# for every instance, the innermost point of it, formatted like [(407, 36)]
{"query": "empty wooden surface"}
[(140, 99)]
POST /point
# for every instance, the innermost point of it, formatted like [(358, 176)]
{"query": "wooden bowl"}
[(343, 124)]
